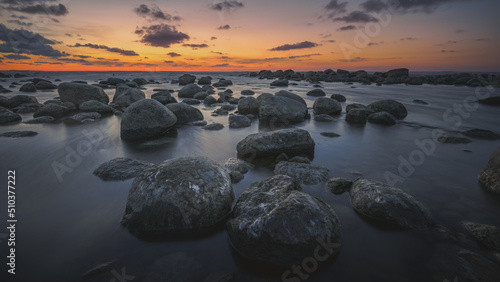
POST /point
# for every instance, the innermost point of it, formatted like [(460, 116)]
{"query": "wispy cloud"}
[(173, 54), (356, 17), (109, 49), (224, 27), (227, 6), (196, 46), (154, 13), (347, 28), (300, 45)]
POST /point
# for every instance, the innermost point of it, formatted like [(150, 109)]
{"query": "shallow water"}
[(70, 224)]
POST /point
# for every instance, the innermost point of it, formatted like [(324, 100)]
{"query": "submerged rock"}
[(78, 93), (338, 97), (291, 141), (388, 204), (384, 118), (95, 106), (179, 195), (330, 134), (42, 119), (146, 119), (303, 173), (52, 110), (213, 126), (323, 118), (490, 176), (185, 113), (83, 117), (121, 169), (481, 134), (486, 235), (339, 185), (453, 140), (393, 107), (18, 134), (495, 101), (275, 222)]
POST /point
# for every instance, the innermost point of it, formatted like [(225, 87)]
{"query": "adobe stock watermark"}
[(426, 147), (322, 252), (75, 153)]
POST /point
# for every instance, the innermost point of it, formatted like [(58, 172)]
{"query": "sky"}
[(249, 35)]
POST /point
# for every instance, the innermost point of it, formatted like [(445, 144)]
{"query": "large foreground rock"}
[(303, 173), (186, 79), (290, 95), (78, 93), (179, 195), (276, 109), (146, 119), (248, 105), (327, 106), (388, 204), (185, 113), (393, 107), (271, 144), (275, 222), (126, 96), (8, 116), (121, 169), (189, 91), (490, 176)]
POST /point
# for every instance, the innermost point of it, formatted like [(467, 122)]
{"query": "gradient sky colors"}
[(244, 35)]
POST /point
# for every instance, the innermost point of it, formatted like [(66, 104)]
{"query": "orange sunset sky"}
[(249, 35)]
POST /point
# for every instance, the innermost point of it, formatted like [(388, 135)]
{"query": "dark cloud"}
[(354, 60), (26, 42), (300, 45), (481, 39), (227, 6), (68, 35), (110, 49), (81, 56), (447, 51), (173, 54), (374, 44), (196, 46), (408, 39), (356, 17), (53, 10), (20, 22), (154, 13), (73, 60), (218, 53), (220, 66), (452, 42), (405, 6), (328, 41), (161, 35), (224, 27), (304, 56), (347, 27), (336, 8), (460, 31), (224, 57), (16, 57), (169, 62), (213, 38)]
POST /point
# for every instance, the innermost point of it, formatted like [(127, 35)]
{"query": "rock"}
[(290, 95), (4, 102), (236, 176), (490, 176), (356, 116), (126, 96), (224, 97), (276, 109), (121, 169), (82, 117), (338, 97), (220, 112), (359, 106), (164, 97), (209, 100), (481, 134), (205, 80), (228, 107), (189, 91), (208, 88), (95, 106), (18, 134), (241, 166), (269, 211), (114, 81), (316, 93), (131, 84), (388, 204), (53, 110), (45, 85), (186, 79), (173, 267), (201, 95), (27, 108), (3, 90), (179, 195), (223, 83), (393, 107), (146, 119), (78, 93), (421, 102), (213, 126), (330, 134), (327, 106), (384, 118), (339, 185), (323, 118), (247, 92), (299, 159), (69, 105), (396, 76), (291, 141), (234, 101), (140, 81), (18, 100), (239, 121), (494, 101), (486, 235), (190, 101), (185, 113), (248, 105), (304, 173), (28, 87), (42, 119), (198, 123), (280, 83), (453, 140)]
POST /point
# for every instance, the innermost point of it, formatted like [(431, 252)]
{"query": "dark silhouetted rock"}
[(45, 85), (304, 173), (393, 107), (239, 121), (280, 83), (486, 235), (53, 110), (189, 91), (490, 176), (276, 109), (19, 134), (78, 93), (185, 113), (356, 116), (384, 118), (316, 93), (339, 185), (290, 95), (339, 97), (186, 79), (121, 169), (213, 126), (28, 87), (327, 106), (95, 106), (248, 105), (481, 134)]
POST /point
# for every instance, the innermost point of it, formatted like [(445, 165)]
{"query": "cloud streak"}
[(356, 17), (109, 49), (300, 45), (26, 42)]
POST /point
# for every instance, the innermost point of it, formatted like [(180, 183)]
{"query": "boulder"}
[(213, 126), (276, 109), (269, 211), (290, 141), (205, 80), (28, 87), (77, 93), (339, 185), (126, 96), (280, 83), (189, 91), (481, 134), (42, 119), (338, 97), (18, 134), (388, 204), (52, 110), (190, 101), (490, 176), (185, 113), (209, 100), (356, 116), (486, 235), (186, 79), (201, 95), (27, 108), (239, 121), (95, 106), (223, 83), (393, 107), (290, 95), (323, 118), (304, 173), (146, 119), (45, 85), (140, 81), (327, 106), (121, 169), (384, 118), (241, 166), (247, 92), (114, 81), (164, 97), (316, 93), (18, 100), (248, 105), (177, 196)]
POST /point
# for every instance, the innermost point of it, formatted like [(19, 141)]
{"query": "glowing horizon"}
[(231, 35)]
